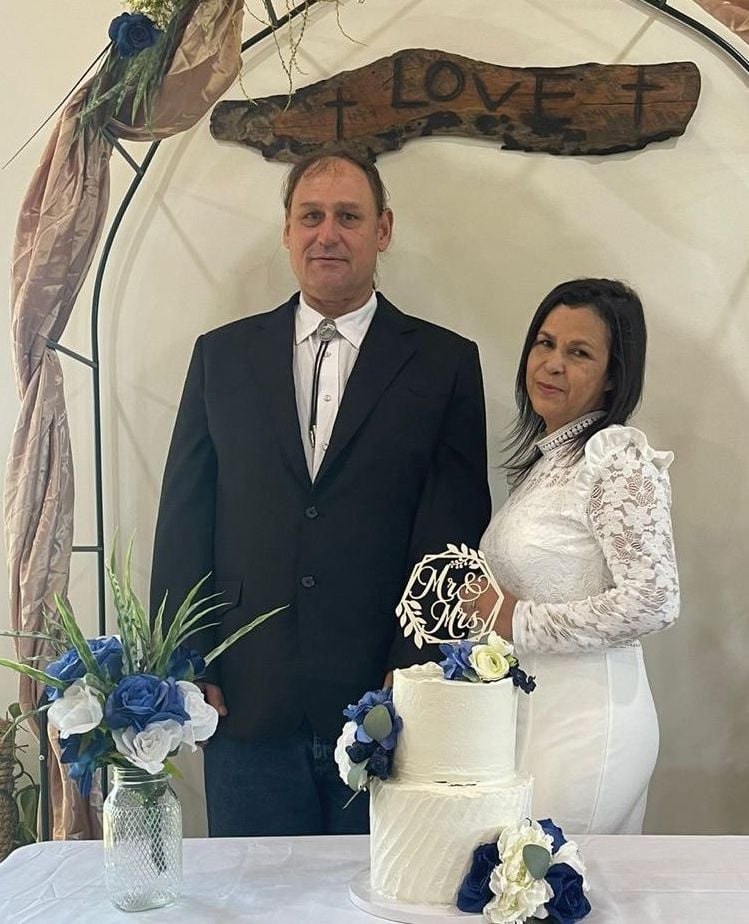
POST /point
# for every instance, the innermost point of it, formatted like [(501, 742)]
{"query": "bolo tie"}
[(326, 330)]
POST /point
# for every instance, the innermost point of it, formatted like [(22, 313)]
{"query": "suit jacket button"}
[(310, 513), (308, 581)]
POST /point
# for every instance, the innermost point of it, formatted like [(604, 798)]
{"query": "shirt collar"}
[(351, 326)]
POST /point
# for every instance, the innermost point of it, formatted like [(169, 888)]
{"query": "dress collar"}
[(568, 432)]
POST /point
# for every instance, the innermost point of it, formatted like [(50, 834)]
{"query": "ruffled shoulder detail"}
[(620, 449)]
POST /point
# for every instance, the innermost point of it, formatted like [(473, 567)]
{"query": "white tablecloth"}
[(634, 880)]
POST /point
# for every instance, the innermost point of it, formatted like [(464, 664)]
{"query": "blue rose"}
[(358, 752), (107, 653), (568, 903), (356, 713), (185, 664), (380, 764), (82, 753), (554, 831), (139, 699), (456, 665), (474, 891), (131, 33)]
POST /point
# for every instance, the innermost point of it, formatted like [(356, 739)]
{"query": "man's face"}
[(333, 234)]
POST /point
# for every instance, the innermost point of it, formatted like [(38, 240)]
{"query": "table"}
[(634, 880)]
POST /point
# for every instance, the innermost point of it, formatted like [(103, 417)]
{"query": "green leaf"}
[(357, 777), (377, 723), (14, 710), (537, 859), (32, 672), (75, 636), (27, 799), (172, 769), (235, 636)]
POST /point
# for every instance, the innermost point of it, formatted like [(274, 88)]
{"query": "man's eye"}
[(311, 217), (349, 217)]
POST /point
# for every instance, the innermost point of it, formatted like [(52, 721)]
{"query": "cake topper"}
[(449, 596)]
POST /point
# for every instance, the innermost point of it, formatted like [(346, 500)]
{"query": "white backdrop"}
[(480, 236)]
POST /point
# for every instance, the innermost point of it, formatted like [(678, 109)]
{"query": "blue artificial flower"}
[(68, 667), (358, 752), (139, 699), (380, 764), (556, 833), (456, 665), (81, 753), (568, 904), (185, 664), (521, 679), (474, 890), (356, 713), (131, 33)]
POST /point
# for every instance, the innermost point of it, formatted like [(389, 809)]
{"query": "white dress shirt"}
[(338, 361)]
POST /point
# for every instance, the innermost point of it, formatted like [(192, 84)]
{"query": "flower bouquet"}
[(531, 873), (130, 701)]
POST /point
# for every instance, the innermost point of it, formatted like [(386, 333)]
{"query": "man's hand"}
[(214, 697)]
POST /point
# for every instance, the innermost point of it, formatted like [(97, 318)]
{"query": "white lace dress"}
[(587, 548)]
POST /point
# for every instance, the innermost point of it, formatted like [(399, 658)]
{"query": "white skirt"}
[(589, 735)]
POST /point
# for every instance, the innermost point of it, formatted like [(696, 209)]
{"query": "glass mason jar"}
[(142, 840)]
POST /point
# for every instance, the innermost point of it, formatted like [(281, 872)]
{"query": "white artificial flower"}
[(203, 717), (148, 749), (568, 853), (488, 663), (500, 644), (345, 740), (518, 895), (77, 711)]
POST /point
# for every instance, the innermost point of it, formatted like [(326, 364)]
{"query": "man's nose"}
[(327, 231)]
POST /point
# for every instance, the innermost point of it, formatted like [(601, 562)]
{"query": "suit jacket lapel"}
[(271, 347), (386, 348)]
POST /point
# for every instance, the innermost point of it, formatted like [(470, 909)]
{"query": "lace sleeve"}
[(628, 512)]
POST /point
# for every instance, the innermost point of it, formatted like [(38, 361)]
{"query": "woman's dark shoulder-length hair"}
[(620, 308)]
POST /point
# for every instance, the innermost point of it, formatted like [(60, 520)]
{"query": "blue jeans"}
[(278, 786)]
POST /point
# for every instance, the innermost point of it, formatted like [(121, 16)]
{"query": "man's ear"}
[(384, 230), (285, 235)]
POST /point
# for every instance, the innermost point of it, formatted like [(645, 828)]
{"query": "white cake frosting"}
[(453, 786), (453, 731)]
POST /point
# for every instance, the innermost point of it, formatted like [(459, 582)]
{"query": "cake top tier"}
[(453, 731)]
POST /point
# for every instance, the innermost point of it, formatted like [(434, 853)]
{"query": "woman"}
[(583, 552)]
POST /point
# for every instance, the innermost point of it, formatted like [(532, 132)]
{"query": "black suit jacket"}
[(404, 474)]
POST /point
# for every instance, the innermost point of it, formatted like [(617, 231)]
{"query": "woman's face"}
[(566, 371)]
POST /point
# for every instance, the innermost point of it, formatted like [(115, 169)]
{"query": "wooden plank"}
[(581, 109)]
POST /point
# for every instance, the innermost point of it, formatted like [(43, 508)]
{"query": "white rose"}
[(148, 749), (203, 717), (77, 711), (345, 740), (488, 663), (500, 644), (518, 894)]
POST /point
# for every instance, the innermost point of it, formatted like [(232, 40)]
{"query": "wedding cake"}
[(453, 784)]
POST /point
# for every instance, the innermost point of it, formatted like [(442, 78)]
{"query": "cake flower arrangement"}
[(484, 661), (129, 700), (367, 741), (531, 873)]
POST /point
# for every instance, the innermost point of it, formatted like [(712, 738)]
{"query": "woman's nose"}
[(554, 361)]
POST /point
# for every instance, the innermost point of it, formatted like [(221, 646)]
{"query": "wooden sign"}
[(582, 109)]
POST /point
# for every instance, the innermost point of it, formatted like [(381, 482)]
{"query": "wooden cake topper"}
[(582, 109), (440, 602)]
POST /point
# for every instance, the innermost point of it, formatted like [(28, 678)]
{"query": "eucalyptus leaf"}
[(377, 723), (537, 859), (357, 777)]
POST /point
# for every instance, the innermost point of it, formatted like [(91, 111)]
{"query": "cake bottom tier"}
[(423, 834)]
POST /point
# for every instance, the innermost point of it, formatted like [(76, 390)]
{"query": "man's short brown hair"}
[(313, 163)]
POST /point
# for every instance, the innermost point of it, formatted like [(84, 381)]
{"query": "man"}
[(312, 465)]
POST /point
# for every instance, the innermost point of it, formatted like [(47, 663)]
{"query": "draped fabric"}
[(59, 226), (732, 13)]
